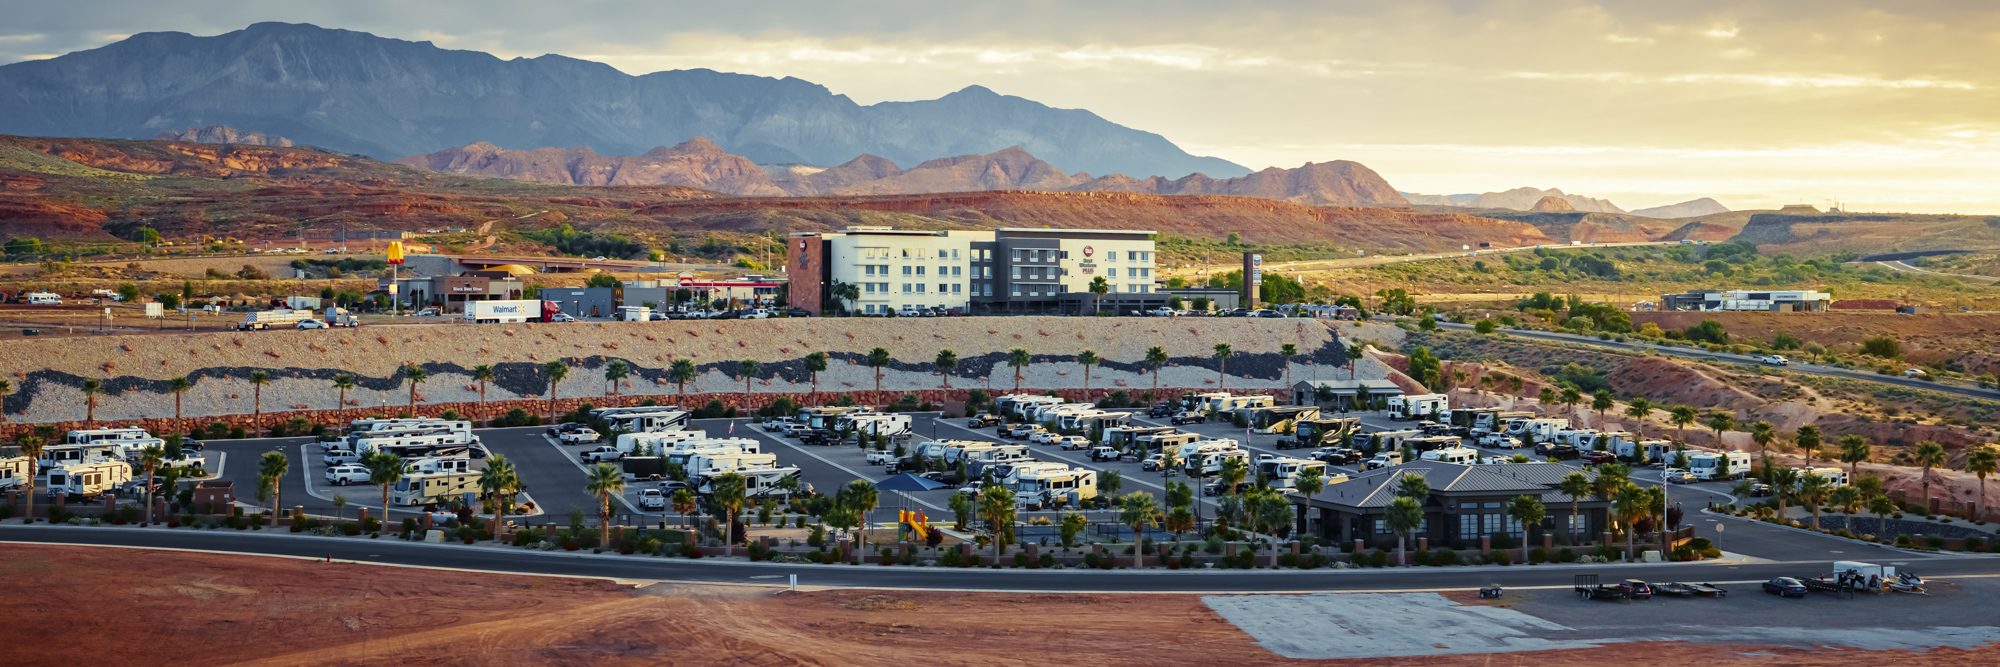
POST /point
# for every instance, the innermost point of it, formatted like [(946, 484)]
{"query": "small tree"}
[(748, 368), (1808, 439), (946, 360), (257, 381), (1069, 529), (1718, 422), (682, 372), (90, 388), (996, 505), (273, 466), (416, 375), (1853, 450), (1087, 359), (815, 364), (1018, 359), (384, 470), (1929, 455), (1139, 511), (1982, 463), (483, 374), (1222, 354), (554, 371), (178, 386), (615, 371), (604, 481), (729, 497), (1546, 399), (1576, 485), (1157, 357), (1402, 517), (1529, 511), (1762, 433), (1638, 409)]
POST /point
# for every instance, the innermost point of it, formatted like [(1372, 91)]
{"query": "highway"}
[(521, 561), (1795, 367)]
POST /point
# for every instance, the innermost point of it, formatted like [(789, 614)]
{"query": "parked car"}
[(1189, 418), (1153, 462), (1760, 490), (1680, 477), (949, 481), (881, 458), (1599, 457), (1499, 441), (558, 429), (1160, 410), (561, 317), (1162, 311), (755, 314), (578, 436), (1915, 373), (1564, 453), (1073, 442), (1043, 437), (1104, 454), (1774, 360), (797, 312), (342, 475), (982, 421), (601, 455), (312, 324), (1216, 488), (1785, 587), (1635, 589), (672, 485), (1336, 456), (1021, 431), (652, 499)]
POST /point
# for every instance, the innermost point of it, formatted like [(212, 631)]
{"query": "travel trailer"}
[(656, 443), (1283, 473), (86, 478), (1719, 465), (1419, 406), (1043, 488), (826, 418), (423, 489), (1460, 455), (645, 420), (1204, 458)]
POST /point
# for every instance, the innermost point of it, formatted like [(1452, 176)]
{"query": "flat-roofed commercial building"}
[(1776, 301), (979, 272)]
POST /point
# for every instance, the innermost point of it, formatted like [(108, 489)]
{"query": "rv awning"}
[(908, 482)]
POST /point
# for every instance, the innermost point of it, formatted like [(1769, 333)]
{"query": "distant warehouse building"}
[(976, 272), (1773, 301)]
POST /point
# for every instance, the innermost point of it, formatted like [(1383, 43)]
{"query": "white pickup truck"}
[(578, 436), (601, 455), (881, 458), (1162, 311), (1774, 360)]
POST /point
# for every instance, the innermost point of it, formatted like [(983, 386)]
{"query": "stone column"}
[(1360, 546), (1548, 541), (1423, 544), (1486, 544), (1034, 551)]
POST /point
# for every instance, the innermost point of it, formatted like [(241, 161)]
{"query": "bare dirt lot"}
[(119, 606)]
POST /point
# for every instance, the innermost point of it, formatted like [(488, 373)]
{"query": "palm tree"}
[(616, 371), (1222, 353), (1546, 399), (90, 388), (1784, 481), (878, 359), (1309, 482), (1809, 441), (1605, 484), (483, 374), (31, 447), (1681, 416), (178, 386), (7, 387), (1232, 473), (1849, 501), (1762, 433), (848, 292), (1353, 359), (1853, 450), (1286, 352), (273, 467), (1018, 359), (729, 497), (1098, 288), (341, 382), (946, 360), (863, 498), (748, 369), (257, 381), (151, 457), (1929, 455), (500, 481), (682, 372), (1982, 462), (604, 481), (555, 371), (1718, 422), (815, 364), (1087, 359), (1631, 503), (996, 505), (384, 470), (1528, 510), (684, 504), (1177, 522), (1403, 516), (1881, 507), (416, 375), (1570, 399), (1157, 356), (1138, 510), (1601, 401), (1813, 490), (1639, 408), (1576, 485)]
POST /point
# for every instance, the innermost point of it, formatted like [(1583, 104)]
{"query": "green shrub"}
[(1935, 540), (974, 560), (1537, 556), (1021, 559), (1048, 560), (1444, 556), (1903, 540), (1566, 555), (1091, 559), (1420, 558), (1315, 561), (1379, 558), (1288, 559), (1608, 552)]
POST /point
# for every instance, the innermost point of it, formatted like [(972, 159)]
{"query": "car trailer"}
[(1587, 588)]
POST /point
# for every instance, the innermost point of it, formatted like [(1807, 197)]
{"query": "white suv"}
[(1775, 360), (1044, 437), (342, 475), (1073, 442)]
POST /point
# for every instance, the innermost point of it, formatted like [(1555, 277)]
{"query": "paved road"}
[(1795, 367), (644, 568), (1907, 268), (1379, 260)]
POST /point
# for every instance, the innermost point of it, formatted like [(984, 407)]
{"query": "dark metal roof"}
[(1375, 489)]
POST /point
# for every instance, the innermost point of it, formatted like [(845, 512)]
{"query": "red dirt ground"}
[(124, 606)]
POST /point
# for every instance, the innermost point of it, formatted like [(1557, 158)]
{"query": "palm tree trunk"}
[(257, 412), (1815, 516), (1221, 373), (385, 506), (604, 523), (1402, 550), (33, 468), (177, 412), (277, 500), (1573, 505)]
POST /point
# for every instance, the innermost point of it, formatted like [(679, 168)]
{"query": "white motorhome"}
[(1020, 405), (86, 479), (1610, 442), (760, 472), (1008, 473), (826, 417), (874, 425), (1658, 450), (678, 453), (430, 465), (1086, 419), (1123, 436), (1835, 477), (1394, 439), (14, 471), (430, 488), (648, 420), (43, 298), (1283, 473), (1044, 488), (1043, 412), (934, 450), (1404, 407), (1226, 404), (656, 442), (1711, 465), (369, 441), (1494, 421), (1205, 458), (407, 422), (1460, 455), (1160, 442), (1542, 430), (61, 455), (88, 436)]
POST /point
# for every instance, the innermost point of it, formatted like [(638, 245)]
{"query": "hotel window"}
[(954, 253), (920, 271), (867, 269), (906, 270), (906, 288), (869, 287), (957, 271), (1017, 273), (1017, 254), (1017, 290), (944, 288), (920, 288), (957, 288), (1145, 273), (989, 289)]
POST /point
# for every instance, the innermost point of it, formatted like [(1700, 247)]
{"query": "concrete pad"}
[(1383, 625)]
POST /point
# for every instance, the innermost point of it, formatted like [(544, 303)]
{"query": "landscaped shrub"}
[(1091, 559), (1315, 561), (1379, 558), (1538, 556), (817, 557), (1935, 540), (1902, 540), (1021, 559), (1974, 544), (1288, 559), (1609, 553), (1420, 558), (974, 560), (1566, 555), (1501, 556), (1213, 545), (1047, 560), (1443, 556)]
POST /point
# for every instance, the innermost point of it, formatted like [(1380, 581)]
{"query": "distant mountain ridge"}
[(223, 134), (1519, 199), (702, 164), (1686, 209), (387, 98)]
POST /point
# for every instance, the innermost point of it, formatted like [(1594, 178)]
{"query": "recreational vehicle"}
[(379, 424), (1460, 455), (1430, 443), (1204, 458), (1322, 431), (95, 435), (825, 418), (651, 420), (1160, 442), (87, 479), (1200, 402), (1280, 419), (881, 424), (1542, 430), (1419, 406), (1609, 442), (1045, 488), (678, 453), (369, 441), (1283, 473), (431, 465), (1494, 421), (423, 489), (14, 471), (1087, 419), (656, 442), (1719, 465), (1123, 436), (1020, 406)]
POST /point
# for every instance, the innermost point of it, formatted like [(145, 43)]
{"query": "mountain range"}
[(1686, 209), (387, 98), (702, 164), (1519, 199)]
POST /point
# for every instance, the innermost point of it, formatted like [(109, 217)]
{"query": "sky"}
[(1887, 106)]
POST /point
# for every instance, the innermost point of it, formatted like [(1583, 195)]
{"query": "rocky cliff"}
[(696, 163), (1338, 183), (223, 134), (1551, 205), (1686, 209), (388, 98)]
